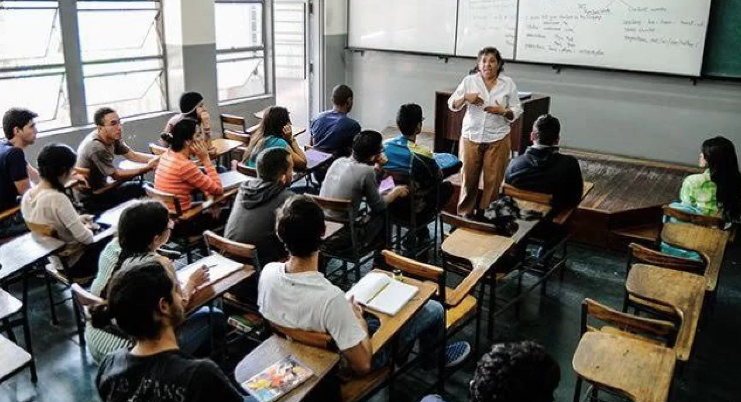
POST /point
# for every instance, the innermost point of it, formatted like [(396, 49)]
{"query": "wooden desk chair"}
[(82, 301), (234, 127), (644, 255), (358, 253), (410, 223), (697, 219), (354, 390), (630, 342), (185, 241), (156, 149), (53, 274), (13, 358), (246, 170), (8, 214)]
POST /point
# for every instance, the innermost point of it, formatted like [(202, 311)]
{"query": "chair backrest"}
[(242, 252), (41, 229), (167, 198), (640, 254), (235, 125), (697, 219), (413, 267), (246, 170), (85, 298), (317, 339), (461, 222), (336, 205), (157, 149), (514, 192), (646, 327), (9, 213)]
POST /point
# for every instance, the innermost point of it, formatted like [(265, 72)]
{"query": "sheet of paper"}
[(393, 297), (218, 267)]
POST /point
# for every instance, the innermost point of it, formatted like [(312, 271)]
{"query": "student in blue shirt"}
[(333, 131), (274, 132)]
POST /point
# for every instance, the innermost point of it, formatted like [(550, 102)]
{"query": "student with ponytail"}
[(143, 228)]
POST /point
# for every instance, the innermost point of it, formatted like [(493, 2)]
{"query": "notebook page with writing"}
[(218, 267)]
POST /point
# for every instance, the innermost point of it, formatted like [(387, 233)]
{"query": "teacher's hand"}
[(473, 98), (501, 110)]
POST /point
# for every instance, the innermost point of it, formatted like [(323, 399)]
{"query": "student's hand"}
[(197, 278), (288, 132), (200, 148), (87, 218), (206, 119), (473, 98), (399, 191), (152, 164), (356, 308)]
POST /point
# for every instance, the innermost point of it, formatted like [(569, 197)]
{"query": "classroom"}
[(370, 200)]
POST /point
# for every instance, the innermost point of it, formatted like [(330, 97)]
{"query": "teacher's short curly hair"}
[(517, 371), (493, 51)]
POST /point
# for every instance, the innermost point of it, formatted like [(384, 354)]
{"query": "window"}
[(32, 73), (122, 56), (240, 49)]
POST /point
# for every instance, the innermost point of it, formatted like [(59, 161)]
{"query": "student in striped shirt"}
[(177, 174), (275, 132)]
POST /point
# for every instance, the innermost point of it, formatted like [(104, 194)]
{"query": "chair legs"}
[(79, 323), (577, 389), (52, 309)]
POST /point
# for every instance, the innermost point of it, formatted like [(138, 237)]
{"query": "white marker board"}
[(484, 23), (663, 36), (426, 26)]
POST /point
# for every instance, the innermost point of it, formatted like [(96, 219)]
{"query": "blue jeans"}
[(194, 334), (428, 325), (433, 398)]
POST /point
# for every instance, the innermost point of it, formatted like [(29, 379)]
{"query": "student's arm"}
[(575, 184), (32, 173), (104, 162), (18, 170), (209, 383), (139, 156), (370, 191), (75, 223), (209, 183), (346, 325), (297, 155)]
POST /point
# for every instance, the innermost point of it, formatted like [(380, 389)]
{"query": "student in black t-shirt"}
[(16, 174), (146, 302)]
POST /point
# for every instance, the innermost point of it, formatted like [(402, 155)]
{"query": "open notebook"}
[(218, 267), (382, 293)]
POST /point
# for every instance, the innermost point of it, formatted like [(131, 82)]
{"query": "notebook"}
[(277, 380), (386, 185), (218, 267), (315, 158), (382, 293), (232, 179)]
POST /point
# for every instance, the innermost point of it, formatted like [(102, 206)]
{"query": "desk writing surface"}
[(112, 216), (215, 289), (481, 249), (223, 146), (320, 361), (25, 250)]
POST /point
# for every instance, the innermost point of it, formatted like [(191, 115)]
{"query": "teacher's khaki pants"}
[(490, 157)]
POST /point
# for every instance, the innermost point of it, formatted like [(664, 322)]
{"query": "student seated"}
[(97, 152), (47, 204), (143, 228), (16, 174), (354, 178), (333, 131), (544, 170), (146, 302), (252, 219), (406, 156), (274, 132), (518, 371), (716, 191), (192, 107), (295, 295), (177, 174)]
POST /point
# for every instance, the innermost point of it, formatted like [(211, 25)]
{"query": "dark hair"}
[(138, 226), (16, 117), (366, 145), (519, 371), (720, 155), (489, 50), (273, 163), (184, 130), (54, 161), (99, 116), (547, 129), (133, 298), (273, 121), (300, 225), (408, 118), (341, 94)]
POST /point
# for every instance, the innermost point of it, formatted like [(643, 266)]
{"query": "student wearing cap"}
[(192, 106)]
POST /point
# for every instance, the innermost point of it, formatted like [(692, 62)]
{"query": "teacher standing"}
[(485, 140)]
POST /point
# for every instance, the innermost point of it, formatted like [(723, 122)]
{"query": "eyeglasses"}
[(113, 123)]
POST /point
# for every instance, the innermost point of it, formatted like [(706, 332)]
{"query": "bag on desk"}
[(502, 213)]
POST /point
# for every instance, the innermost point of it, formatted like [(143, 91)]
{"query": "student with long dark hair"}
[(47, 204), (146, 302), (274, 132), (143, 228)]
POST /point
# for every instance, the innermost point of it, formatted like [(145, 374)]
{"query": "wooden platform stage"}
[(625, 204)]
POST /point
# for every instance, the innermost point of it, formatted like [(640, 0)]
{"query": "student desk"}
[(682, 291), (25, 250), (709, 242), (320, 361), (314, 160), (216, 288)]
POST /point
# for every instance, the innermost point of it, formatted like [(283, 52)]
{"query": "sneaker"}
[(456, 353)]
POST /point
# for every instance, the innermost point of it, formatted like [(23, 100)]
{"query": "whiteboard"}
[(426, 26), (666, 36), (484, 23)]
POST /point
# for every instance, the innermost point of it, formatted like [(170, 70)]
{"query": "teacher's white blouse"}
[(480, 126)]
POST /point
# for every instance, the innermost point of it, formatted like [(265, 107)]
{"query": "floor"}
[(67, 373)]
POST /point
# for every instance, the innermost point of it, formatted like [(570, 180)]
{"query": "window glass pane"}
[(131, 29), (129, 87), (45, 93), (240, 77), (238, 25), (30, 34)]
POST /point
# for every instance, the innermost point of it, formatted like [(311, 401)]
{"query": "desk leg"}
[(27, 329), (492, 303)]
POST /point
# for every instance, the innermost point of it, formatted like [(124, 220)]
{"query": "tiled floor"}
[(66, 373)]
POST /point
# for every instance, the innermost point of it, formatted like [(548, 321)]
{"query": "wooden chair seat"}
[(62, 278), (13, 358), (461, 312), (358, 389)]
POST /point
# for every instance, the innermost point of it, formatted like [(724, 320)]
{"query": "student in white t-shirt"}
[(296, 295)]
